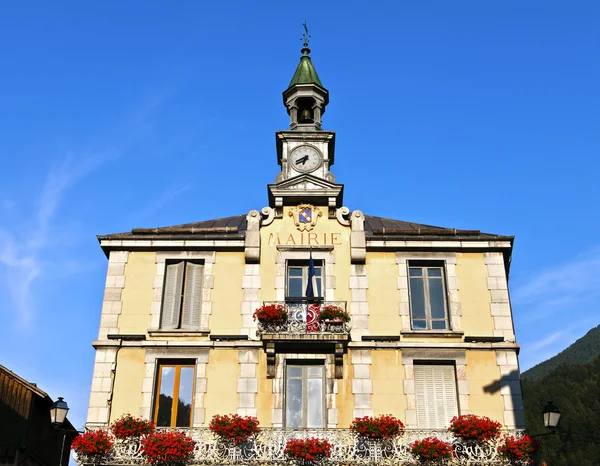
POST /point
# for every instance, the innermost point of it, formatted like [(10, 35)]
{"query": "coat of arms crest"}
[(305, 216)]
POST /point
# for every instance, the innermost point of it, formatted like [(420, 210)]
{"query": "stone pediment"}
[(306, 188)]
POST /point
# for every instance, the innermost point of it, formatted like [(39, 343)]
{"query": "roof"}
[(235, 227), (305, 72)]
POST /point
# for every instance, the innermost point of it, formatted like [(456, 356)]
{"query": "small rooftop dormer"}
[(305, 98)]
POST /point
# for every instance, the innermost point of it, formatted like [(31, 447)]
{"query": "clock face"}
[(306, 159)]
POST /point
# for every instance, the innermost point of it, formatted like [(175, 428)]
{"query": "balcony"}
[(303, 333), (347, 449), (303, 319)]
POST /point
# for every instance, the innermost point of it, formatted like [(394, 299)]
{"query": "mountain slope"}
[(575, 389), (583, 350)]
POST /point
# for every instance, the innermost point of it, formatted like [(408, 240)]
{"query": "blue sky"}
[(476, 115)]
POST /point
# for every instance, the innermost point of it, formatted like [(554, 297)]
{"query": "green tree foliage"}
[(575, 389), (583, 350)]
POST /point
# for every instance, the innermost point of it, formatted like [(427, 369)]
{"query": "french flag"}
[(311, 286)]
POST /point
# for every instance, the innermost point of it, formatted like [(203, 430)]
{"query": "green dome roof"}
[(305, 73)]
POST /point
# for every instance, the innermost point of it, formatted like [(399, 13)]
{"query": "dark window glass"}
[(174, 395), (427, 298)]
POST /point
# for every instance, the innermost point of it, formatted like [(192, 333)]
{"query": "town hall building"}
[(429, 333)]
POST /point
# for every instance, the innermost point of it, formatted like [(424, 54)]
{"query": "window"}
[(304, 396), (427, 297), (297, 279), (174, 395), (435, 388), (182, 296)]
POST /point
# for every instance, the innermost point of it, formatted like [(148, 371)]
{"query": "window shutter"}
[(436, 396), (172, 296), (192, 298)]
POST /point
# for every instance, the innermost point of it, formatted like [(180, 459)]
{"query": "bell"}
[(306, 115)]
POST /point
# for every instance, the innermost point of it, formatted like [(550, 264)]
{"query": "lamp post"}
[(551, 415), (58, 415)]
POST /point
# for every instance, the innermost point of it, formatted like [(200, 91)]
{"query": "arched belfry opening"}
[(305, 110)]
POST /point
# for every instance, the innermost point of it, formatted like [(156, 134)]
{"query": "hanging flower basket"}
[(234, 427), (271, 314), (432, 450), (94, 445), (380, 427), (171, 448), (128, 427), (519, 449), (332, 313), (476, 428), (308, 451)]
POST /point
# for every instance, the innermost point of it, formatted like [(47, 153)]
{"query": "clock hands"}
[(302, 160)]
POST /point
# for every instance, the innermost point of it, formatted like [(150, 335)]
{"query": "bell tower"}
[(305, 152), (305, 98)]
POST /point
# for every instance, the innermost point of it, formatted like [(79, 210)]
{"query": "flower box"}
[(271, 314), (331, 313), (520, 450), (234, 427), (128, 427), (94, 444), (171, 448), (432, 449), (380, 427), (472, 427), (308, 451)]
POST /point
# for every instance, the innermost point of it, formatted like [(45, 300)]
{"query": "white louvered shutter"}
[(435, 388), (172, 296), (192, 298)]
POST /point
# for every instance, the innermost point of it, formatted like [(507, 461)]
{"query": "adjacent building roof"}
[(235, 227)]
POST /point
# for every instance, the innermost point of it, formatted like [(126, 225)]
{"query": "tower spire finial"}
[(306, 39)]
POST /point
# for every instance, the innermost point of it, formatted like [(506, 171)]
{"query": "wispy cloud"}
[(164, 199), (20, 248), (565, 285)]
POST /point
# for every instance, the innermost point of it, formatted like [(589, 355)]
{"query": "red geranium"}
[(471, 427), (271, 314), (128, 427), (519, 449), (172, 447), (94, 442), (384, 426), (332, 312), (309, 450), (234, 427), (432, 448)]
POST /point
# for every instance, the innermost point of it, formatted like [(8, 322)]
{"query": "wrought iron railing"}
[(267, 448), (304, 318)]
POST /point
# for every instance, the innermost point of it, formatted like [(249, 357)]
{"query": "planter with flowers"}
[(93, 446), (472, 427), (521, 450), (376, 434), (333, 318), (308, 451), (272, 317), (475, 435), (172, 448), (128, 427), (237, 431), (432, 451)]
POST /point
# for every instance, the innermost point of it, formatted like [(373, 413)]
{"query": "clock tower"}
[(305, 152)]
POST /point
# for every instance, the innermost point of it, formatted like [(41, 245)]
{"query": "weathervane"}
[(305, 36)]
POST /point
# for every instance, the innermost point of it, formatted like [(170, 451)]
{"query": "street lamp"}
[(551, 415), (58, 411)]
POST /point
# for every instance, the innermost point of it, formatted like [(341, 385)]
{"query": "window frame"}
[(430, 363), (319, 264), (305, 364), (424, 265), (182, 293), (177, 364)]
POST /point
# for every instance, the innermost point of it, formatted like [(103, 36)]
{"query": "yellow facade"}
[(127, 392), (138, 292), (383, 294), (221, 393), (475, 298), (227, 293)]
